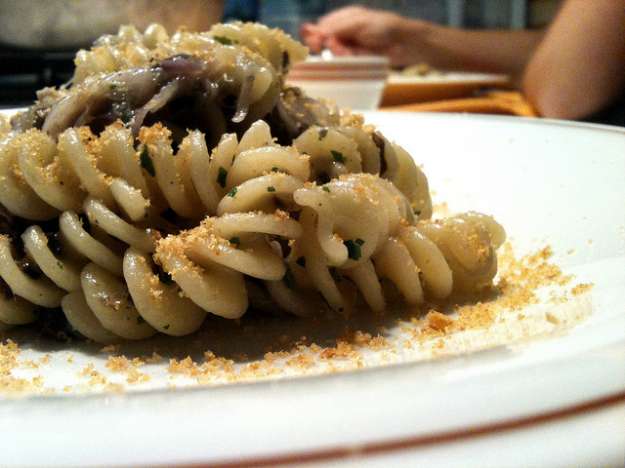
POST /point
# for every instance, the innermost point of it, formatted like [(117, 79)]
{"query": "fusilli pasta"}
[(133, 226)]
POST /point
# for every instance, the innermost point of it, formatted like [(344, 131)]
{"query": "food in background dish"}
[(178, 176), (420, 69)]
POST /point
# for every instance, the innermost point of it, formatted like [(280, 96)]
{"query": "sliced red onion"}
[(243, 101), (137, 86), (158, 101), (182, 65)]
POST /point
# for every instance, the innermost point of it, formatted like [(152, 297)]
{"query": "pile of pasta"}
[(132, 230)]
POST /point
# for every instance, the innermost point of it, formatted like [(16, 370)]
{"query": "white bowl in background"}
[(353, 82)]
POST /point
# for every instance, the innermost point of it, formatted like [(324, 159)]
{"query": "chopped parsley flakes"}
[(353, 248), (325, 189), (232, 192), (126, 115), (289, 280), (271, 188), (225, 40), (323, 178), (146, 161), (84, 221), (235, 241), (336, 276), (164, 277), (338, 156), (221, 176)]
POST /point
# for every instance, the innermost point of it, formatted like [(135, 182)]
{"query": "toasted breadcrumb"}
[(438, 321), (110, 349), (153, 358), (581, 288), (551, 318), (9, 384), (95, 377)]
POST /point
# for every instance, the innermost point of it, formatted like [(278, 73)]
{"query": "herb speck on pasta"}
[(338, 156), (146, 161), (353, 248), (225, 40), (222, 175)]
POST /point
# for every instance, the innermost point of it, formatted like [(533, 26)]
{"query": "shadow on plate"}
[(243, 340)]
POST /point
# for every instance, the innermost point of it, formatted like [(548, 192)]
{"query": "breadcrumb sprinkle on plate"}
[(531, 298)]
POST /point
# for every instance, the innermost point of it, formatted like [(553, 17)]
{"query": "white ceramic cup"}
[(354, 82)]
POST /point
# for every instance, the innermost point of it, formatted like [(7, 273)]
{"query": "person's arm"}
[(358, 30), (580, 65), (498, 51)]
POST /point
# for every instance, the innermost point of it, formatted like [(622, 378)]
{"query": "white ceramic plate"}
[(558, 401)]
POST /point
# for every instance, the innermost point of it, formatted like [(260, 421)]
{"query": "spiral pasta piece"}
[(352, 149), (360, 227), (17, 196), (109, 300), (157, 298), (39, 291), (14, 310), (62, 271), (83, 320)]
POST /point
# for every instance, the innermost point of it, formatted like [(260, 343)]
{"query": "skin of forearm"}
[(579, 67), (489, 50)]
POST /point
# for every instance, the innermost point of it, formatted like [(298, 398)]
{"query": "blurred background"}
[(512, 14), (38, 39)]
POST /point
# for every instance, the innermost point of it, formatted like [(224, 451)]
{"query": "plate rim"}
[(434, 439)]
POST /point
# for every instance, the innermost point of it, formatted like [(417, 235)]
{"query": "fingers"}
[(344, 23), (352, 30), (336, 31), (338, 47), (313, 37)]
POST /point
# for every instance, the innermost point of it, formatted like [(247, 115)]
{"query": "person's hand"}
[(356, 30)]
